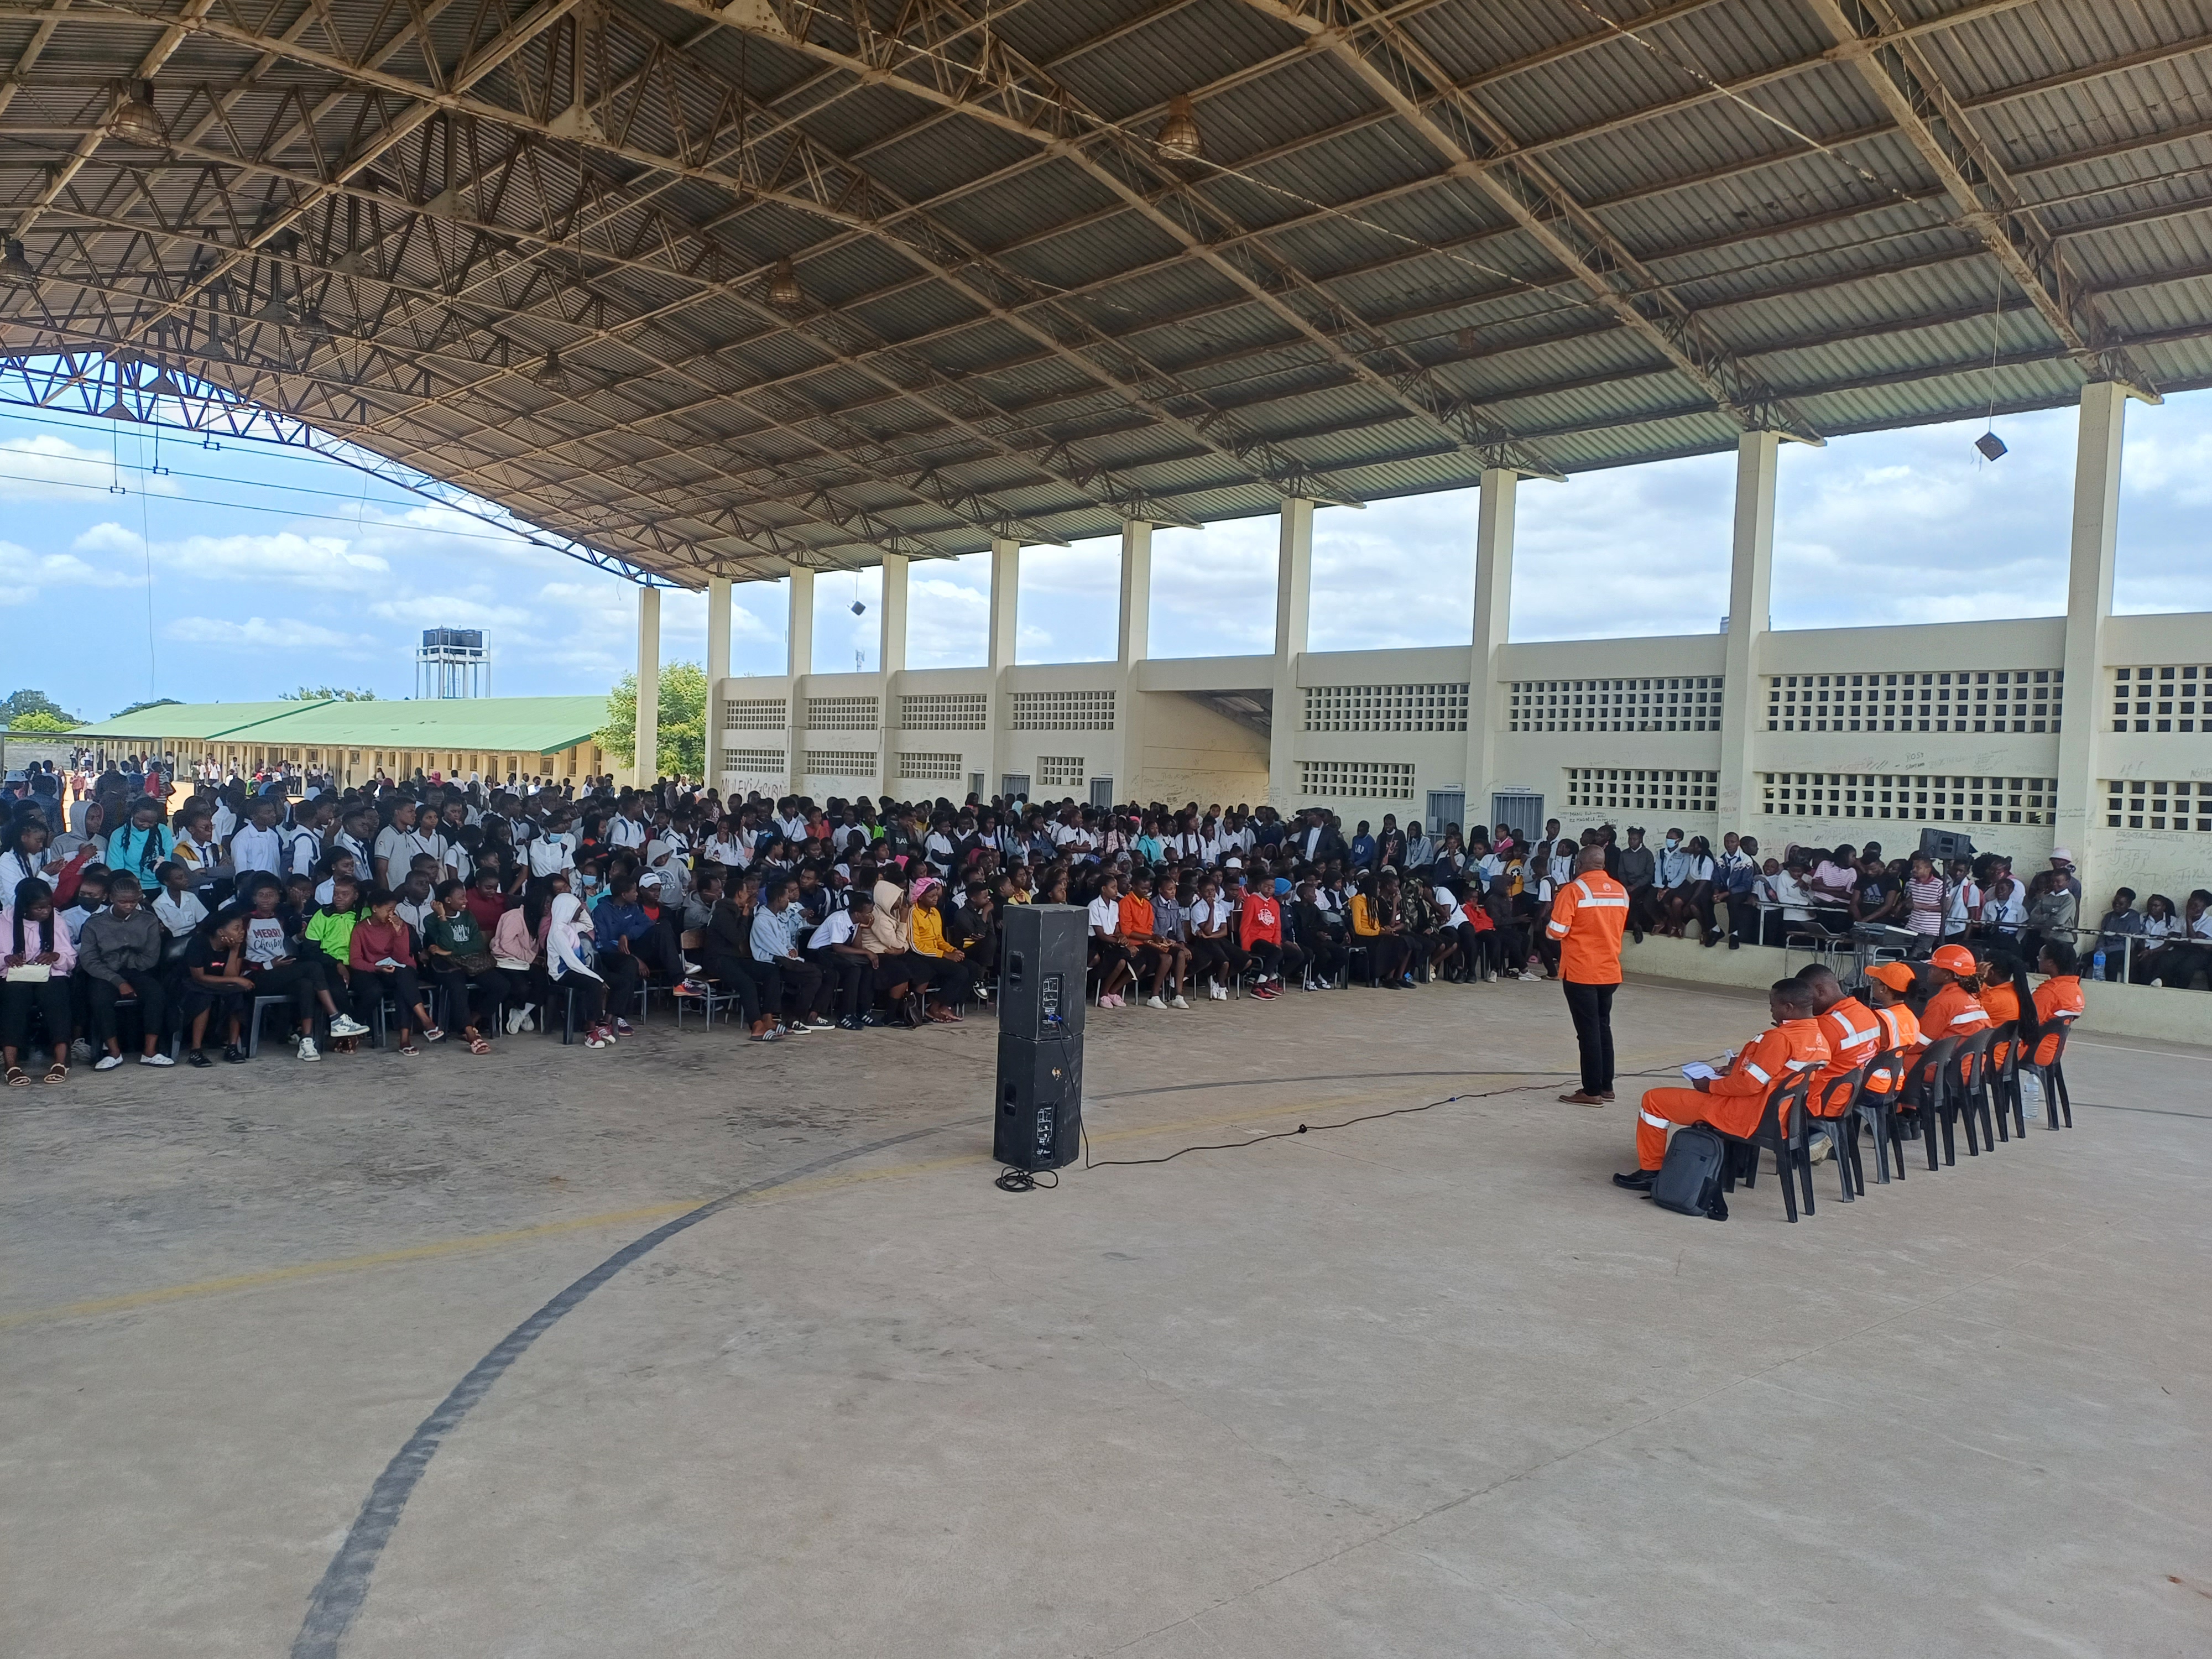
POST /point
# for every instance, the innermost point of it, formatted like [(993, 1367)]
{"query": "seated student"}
[(381, 956), (178, 909), (518, 950), (725, 953), (1165, 957), (631, 946), (329, 934), (568, 956), (277, 969), (37, 958), (836, 946), (215, 983), (1111, 954), (461, 962), (1854, 1036), (1955, 1010), (486, 898), (1888, 983), (974, 927), (2000, 1000), (119, 955), (793, 987), (1733, 1104), (1260, 940), (954, 978)]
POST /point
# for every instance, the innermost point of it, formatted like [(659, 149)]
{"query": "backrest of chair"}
[(1785, 1103), (1934, 1058), (1890, 1064), (1973, 1055), (2004, 1037), (1841, 1094), (2062, 1023)]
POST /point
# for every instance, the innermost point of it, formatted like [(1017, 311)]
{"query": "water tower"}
[(452, 663)]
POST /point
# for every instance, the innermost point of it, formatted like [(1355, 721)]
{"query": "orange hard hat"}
[(1898, 975), (1954, 959)]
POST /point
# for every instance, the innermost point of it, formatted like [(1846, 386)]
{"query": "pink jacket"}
[(64, 946)]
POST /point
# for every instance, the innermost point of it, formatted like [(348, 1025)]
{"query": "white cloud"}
[(45, 467), (1213, 590), (319, 562), (283, 634), (949, 614), (26, 575)]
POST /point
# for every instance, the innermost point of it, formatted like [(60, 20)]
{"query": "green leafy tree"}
[(325, 694), (150, 702), (20, 703), (683, 733), (39, 720)]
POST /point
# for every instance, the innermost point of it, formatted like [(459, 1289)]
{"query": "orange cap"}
[(1954, 959), (1895, 974)]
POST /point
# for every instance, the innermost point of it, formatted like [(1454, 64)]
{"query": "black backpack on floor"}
[(1690, 1179)]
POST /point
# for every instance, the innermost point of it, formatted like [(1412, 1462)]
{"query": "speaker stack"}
[(1038, 1122)]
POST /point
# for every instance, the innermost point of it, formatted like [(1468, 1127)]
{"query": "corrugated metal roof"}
[(191, 721), (1012, 309), (538, 725)]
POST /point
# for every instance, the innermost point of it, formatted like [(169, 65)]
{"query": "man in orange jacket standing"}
[(1733, 1104), (1589, 915)]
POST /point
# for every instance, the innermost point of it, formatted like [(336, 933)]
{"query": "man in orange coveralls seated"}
[(1734, 1103)]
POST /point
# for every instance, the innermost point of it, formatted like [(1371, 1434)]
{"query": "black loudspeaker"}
[(1043, 949), (1943, 845), (1037, 1112)]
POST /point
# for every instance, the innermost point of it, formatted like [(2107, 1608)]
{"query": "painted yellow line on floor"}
[(131, 1300)]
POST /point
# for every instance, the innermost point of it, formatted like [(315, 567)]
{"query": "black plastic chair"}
[(1925, 1087), (2052, 1076), (1968, 1094), (2001, 1080), (1845, 1124), (1781, 1130), (1876, 1110)]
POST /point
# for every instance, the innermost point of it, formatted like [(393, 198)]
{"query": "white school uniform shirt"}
[(734, 853), (794, 827), (255, 849), (180, 916), (549, 853), (363, 864), (837, 928), (2008, 911), (225, 821), (20, 867), (1958, 901), (415, 842), (937, 848), (1205, 914), (1786, 890), (464, 867), (301, 849), (1105, 915), (626, 831)]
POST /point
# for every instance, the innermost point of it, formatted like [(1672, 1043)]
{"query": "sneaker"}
[(107, 1062), (1818, 1148), (233, 1054), (514, 1018), (1179, 1002), (307, 1049), (690, 990), (593, 1040), (1154, 1002), (690, 967), (849, 1024), (158, 1060), (819, 1023), (197, 1057), (345, 1025), (1108, 1000), (1217, 993), (623, 1029), (875, 1018)]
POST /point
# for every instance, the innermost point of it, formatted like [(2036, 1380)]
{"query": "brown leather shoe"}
[(1606, 1095), (1578, 1098)]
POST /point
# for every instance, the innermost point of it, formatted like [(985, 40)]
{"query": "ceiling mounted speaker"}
[(1991, 445)]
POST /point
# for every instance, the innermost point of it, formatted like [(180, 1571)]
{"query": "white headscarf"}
[(565, 939)]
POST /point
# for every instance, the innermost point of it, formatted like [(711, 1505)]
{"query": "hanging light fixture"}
[(135, 121), (783, 288), (551, 375), (1178, 139), (14, 270)]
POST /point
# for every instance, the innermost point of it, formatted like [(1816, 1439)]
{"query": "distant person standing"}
[(1589, 915)]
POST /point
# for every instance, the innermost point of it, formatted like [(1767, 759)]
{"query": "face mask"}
[(1673, 841)]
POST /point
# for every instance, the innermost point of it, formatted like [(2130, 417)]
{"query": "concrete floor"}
[(1427, 1386)]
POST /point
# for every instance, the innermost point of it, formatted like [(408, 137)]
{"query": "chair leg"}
[(2057, 1075), (1801, 1158), (1782, 1177)]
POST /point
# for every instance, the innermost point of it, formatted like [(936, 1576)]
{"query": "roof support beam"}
[(1868, 33)]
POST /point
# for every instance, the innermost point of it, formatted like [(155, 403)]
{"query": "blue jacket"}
[(613, 922)]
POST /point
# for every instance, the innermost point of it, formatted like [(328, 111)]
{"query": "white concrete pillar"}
[(890, 660), (1006, 605), (1293, 611), (799, 663), (718, 670), (1495, 505), (647, 761), (1135, 641), (1750, 585), (2088, 607)]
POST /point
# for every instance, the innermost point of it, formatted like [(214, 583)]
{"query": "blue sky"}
[(269, 568)]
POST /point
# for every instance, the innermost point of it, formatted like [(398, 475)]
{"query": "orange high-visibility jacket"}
[(2059, 994), (1953, 1012), (2001, 1003), (1854, 1036), (1776, 1055), (1900, 1031), (1589, 916)]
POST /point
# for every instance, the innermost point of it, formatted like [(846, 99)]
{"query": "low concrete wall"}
[(2110, 1010)]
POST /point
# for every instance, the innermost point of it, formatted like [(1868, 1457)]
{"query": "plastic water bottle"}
[(2097, 964)]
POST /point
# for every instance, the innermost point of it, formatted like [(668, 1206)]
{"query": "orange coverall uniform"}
[(2001, 1003), (1736, 1101), (2059, 994), (1854, 1036), (1900, 1031)]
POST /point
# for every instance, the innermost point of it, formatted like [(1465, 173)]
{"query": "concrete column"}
[(1135, 642), (890, 658), (799, 663), (647, 763), (1006, 601), (1293, 610), (2088, 607), (718, 670), (1750, 585), (1494, 518)]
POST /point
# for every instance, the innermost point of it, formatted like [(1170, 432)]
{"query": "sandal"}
[(57, 1072), (432, 1034), (409, 1050), (18, 1078), (478, 1046)]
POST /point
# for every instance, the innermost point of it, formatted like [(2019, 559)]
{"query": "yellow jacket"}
[(927, 928)]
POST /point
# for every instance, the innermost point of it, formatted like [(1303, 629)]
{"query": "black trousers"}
[(152, 1006), (50, 997), (371, 985), (488, 987), (1209, 958), (846, 981), (1328, 953), (1592, 1008), (739, 975), (299, 980)]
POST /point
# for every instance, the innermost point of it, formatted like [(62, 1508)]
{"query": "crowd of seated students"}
[(1818, 1025), (430, 905)]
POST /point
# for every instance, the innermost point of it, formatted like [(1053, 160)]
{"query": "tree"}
[(150, 702), (683, 734), (20, 703), (325, 694), (41, 720)]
